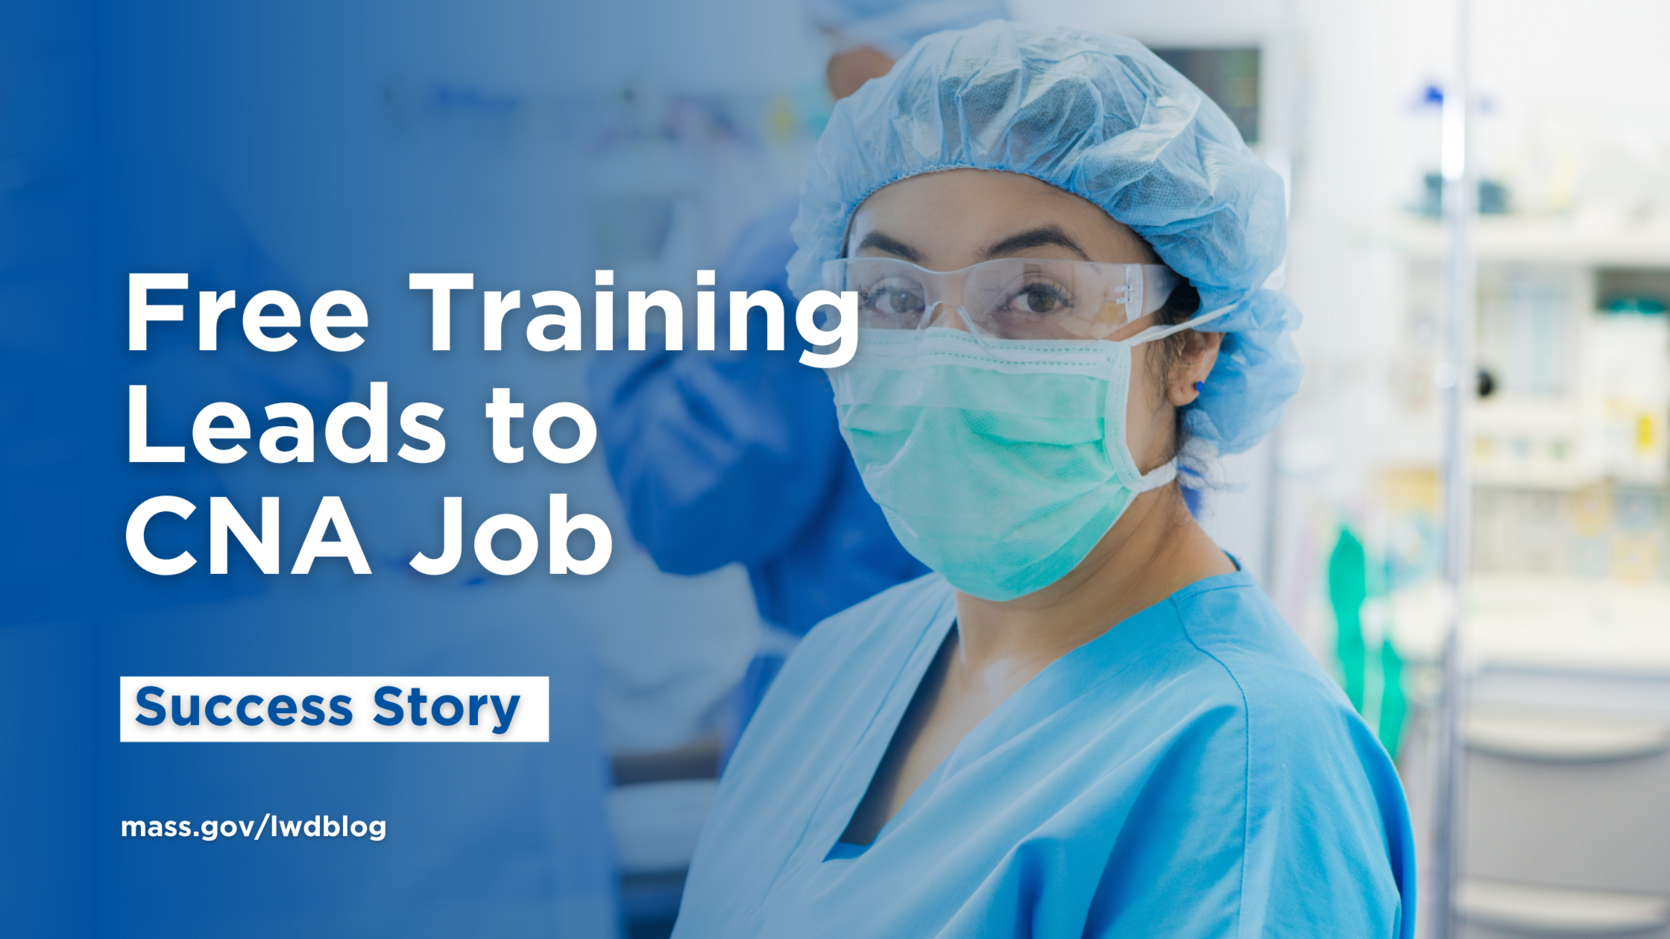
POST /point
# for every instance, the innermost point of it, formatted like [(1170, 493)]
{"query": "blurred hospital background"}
[(1563, 816), (651, 164)]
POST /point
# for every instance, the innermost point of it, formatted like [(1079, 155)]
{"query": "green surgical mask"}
[(998, 463)]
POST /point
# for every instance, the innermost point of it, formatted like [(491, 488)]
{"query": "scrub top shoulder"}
[(1191, 772)]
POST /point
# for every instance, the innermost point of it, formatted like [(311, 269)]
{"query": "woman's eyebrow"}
[(1035, 238), (891, 245)]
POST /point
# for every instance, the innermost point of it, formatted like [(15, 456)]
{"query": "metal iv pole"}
[(1455, 377)]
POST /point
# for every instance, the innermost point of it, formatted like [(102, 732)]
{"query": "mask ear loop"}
[(1118, 448), (1163, 474), (1159, 476), (1160, 332)]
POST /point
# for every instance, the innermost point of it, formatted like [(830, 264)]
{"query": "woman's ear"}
[(1200, 353)]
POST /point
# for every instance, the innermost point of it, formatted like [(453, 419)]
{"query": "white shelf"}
[(1551, 433), (1544, 622)]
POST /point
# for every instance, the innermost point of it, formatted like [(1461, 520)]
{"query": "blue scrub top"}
[(724, 457), (1192, 772)]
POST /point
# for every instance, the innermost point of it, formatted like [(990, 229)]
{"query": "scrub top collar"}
[(1016, 712)]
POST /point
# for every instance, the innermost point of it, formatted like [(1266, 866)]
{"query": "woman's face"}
[(950, 220)]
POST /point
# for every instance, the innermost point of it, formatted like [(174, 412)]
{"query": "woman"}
[(1087, 721)]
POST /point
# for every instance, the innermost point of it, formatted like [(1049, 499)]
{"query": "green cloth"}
[(1373, 679)]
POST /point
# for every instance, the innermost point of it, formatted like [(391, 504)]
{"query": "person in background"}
[(724, 458)]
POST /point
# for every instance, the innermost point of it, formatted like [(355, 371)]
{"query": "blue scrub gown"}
[(1192, 772)]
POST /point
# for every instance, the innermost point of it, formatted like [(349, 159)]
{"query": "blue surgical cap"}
[(893, 26), (1103, 118)]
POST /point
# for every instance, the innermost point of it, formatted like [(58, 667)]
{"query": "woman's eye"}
[(895, 301), (1040, 299)]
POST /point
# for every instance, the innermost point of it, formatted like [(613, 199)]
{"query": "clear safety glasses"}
[(1008, 298)]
